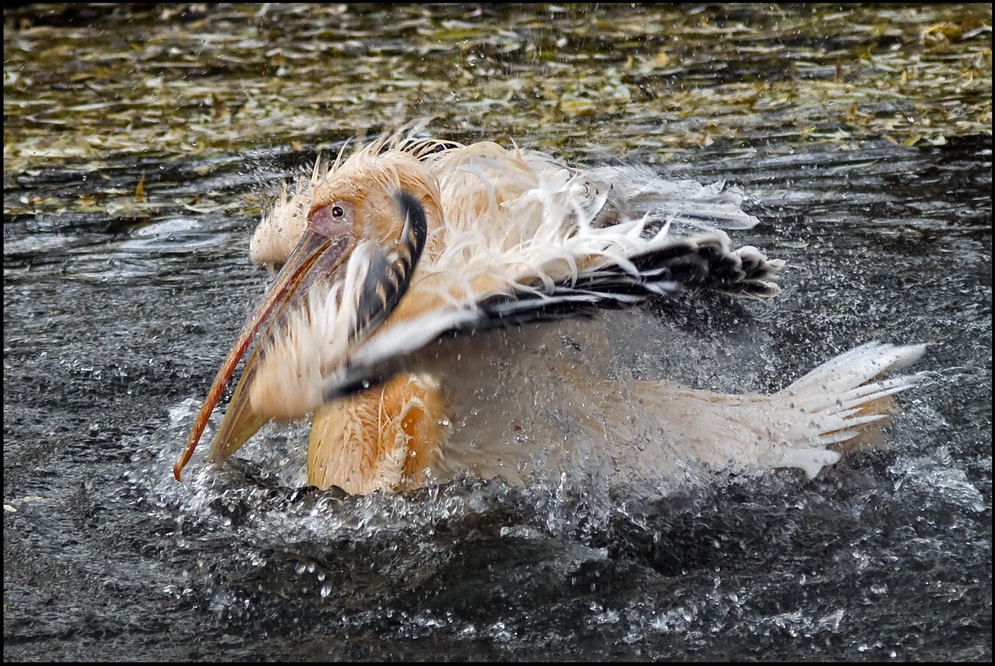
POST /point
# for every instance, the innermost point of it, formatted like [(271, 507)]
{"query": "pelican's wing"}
[(613, 236), (691, 206), (591, 245)]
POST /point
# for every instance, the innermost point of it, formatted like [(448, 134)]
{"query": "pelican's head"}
[(359, 230)]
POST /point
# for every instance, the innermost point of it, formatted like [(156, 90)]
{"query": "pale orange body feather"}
[(388, 437)]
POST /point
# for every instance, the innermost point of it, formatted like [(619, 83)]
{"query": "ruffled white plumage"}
[(516, 225)]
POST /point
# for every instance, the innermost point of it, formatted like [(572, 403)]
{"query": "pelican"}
[(425, 302)]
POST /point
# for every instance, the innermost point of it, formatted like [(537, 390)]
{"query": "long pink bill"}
[(315, 255)]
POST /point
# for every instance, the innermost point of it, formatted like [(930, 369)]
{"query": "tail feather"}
[(839, 407), (844, 405), (859, 365)]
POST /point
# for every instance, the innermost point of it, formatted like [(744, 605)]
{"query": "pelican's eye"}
[(333, 220)]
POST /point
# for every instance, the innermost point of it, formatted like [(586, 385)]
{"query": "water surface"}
[(140, 147)]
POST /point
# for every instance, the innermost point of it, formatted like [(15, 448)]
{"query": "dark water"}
[(119, 305)]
